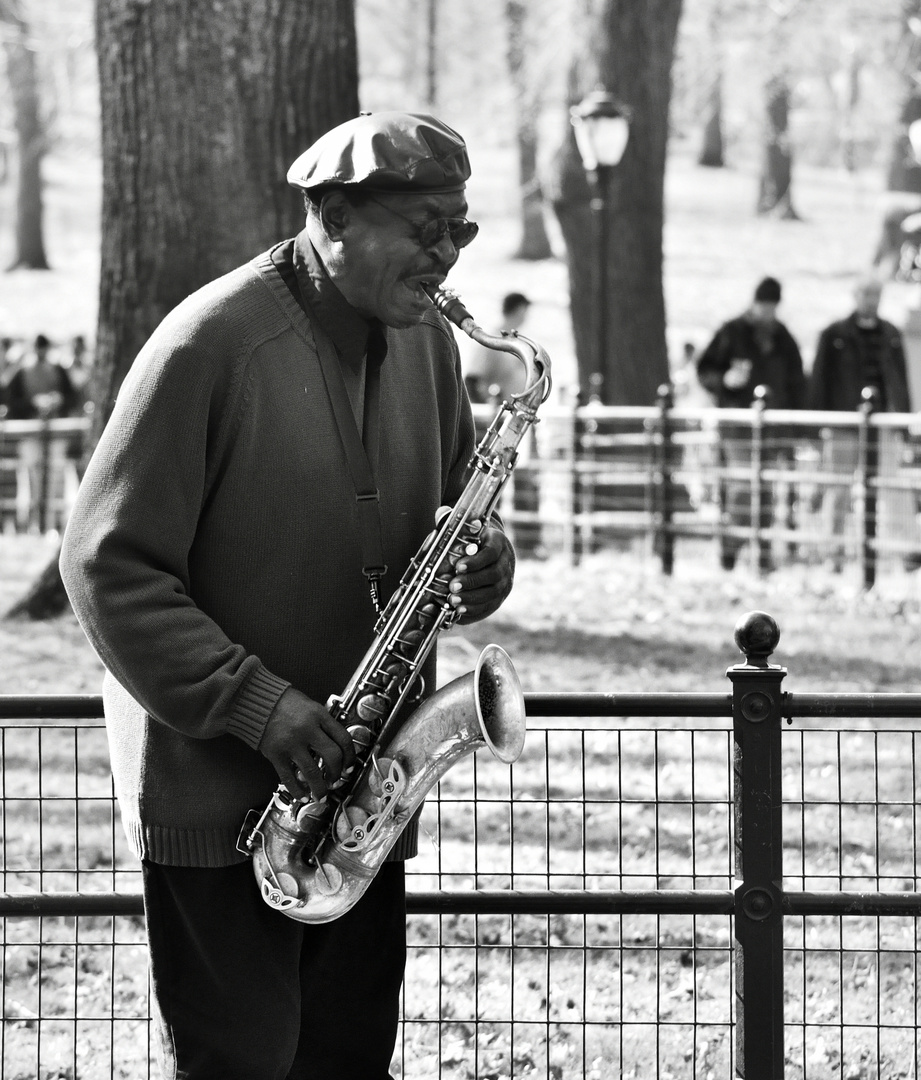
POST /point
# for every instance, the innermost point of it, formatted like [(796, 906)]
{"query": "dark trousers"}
[(242, 992)]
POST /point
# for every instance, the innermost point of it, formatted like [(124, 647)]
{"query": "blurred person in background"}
[(491, 375), (8, 356), (40, 389), (754, 349), (857, 352), (80, 370)]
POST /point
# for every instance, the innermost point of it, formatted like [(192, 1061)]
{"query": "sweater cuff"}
[(254, 704)]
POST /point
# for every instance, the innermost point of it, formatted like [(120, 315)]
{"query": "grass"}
[(615, 808)]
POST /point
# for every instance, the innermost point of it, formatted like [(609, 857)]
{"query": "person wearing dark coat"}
[(755, 349), (860, 351), (857, 352)]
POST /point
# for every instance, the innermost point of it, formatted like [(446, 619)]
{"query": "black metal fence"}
[(664, 885), (767, 486), (39, 471)]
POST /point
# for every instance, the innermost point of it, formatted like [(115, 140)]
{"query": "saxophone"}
[(314, 858)]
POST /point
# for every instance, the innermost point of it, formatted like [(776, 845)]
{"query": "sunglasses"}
[(460, 230)]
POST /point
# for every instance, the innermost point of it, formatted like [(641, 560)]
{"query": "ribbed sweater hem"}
[(217, 847)]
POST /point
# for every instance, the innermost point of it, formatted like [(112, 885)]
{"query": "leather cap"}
[(386, 151)]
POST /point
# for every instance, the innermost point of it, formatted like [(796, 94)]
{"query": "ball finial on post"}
[(757, 635)]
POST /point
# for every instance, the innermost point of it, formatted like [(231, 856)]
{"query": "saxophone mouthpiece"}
[(449, 304)]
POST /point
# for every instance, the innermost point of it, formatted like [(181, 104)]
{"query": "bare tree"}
[(903, 177), (632, 45), (31, 136), (201, 118), (534, 241), (712, 153), (711, 146), (775, 194)]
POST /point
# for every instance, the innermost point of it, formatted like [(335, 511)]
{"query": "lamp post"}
[(602, 126), (912, 329)]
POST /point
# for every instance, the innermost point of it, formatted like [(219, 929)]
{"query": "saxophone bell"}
[(484, 708)]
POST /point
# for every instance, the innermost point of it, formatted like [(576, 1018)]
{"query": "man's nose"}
[(445, 251)]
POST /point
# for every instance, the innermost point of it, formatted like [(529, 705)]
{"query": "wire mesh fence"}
[(593, 910)]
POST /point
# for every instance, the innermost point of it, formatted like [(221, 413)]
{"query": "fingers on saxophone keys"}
[(455, 596), (308, 777)]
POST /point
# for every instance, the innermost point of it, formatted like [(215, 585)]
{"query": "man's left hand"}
[(483, 580)]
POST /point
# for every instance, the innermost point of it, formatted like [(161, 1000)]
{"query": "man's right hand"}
[(740, 371), (299, 736)]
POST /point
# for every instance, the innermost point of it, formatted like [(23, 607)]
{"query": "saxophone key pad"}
[(328, 879)]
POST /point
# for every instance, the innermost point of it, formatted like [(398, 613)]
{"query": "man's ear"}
[(335, 213)]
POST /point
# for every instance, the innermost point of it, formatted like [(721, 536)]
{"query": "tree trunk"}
[(193, 180), (31, 138), (571, 198), (775, 194), (201, 117), (634, 44), (431, 55), (711, 148), (534, 241), (903, 177)]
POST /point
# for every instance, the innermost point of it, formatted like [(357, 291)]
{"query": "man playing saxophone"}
[(274, 461)]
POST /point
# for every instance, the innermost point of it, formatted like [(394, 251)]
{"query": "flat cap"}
[(386, 151)]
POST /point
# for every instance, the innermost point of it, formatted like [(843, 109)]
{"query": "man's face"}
[(764, 312), (378, 261), (866, 300)]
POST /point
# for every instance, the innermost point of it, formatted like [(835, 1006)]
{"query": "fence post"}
[(44, 492), (663, 538), (575, 502), (760, 548), (867, 473), (757, 710)]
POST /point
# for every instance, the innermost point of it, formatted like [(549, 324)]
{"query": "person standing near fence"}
[(857, 352), (492, 376), (223, 556), (40, 389), (755, 349)]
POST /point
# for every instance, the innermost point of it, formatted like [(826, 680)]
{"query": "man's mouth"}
[(422, 288)]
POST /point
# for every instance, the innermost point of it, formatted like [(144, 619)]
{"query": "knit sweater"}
[(213, 555)]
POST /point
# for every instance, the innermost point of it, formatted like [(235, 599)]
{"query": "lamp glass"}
[(601, 140)]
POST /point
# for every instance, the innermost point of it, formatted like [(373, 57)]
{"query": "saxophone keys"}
[(327, 879), (372, 707), (350, 823), (362, 738), (387, 779), (426, 615), (280, 893), (411, 641), (311, 812)]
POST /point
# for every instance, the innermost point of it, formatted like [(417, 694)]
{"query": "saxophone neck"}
[(533, 356)]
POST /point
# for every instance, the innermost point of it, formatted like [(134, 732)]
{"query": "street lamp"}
[(602, 126)]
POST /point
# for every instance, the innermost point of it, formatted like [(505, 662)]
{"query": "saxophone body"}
[(314, 858)]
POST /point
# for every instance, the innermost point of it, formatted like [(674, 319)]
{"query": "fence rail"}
[(729, 887), (781, 485)]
